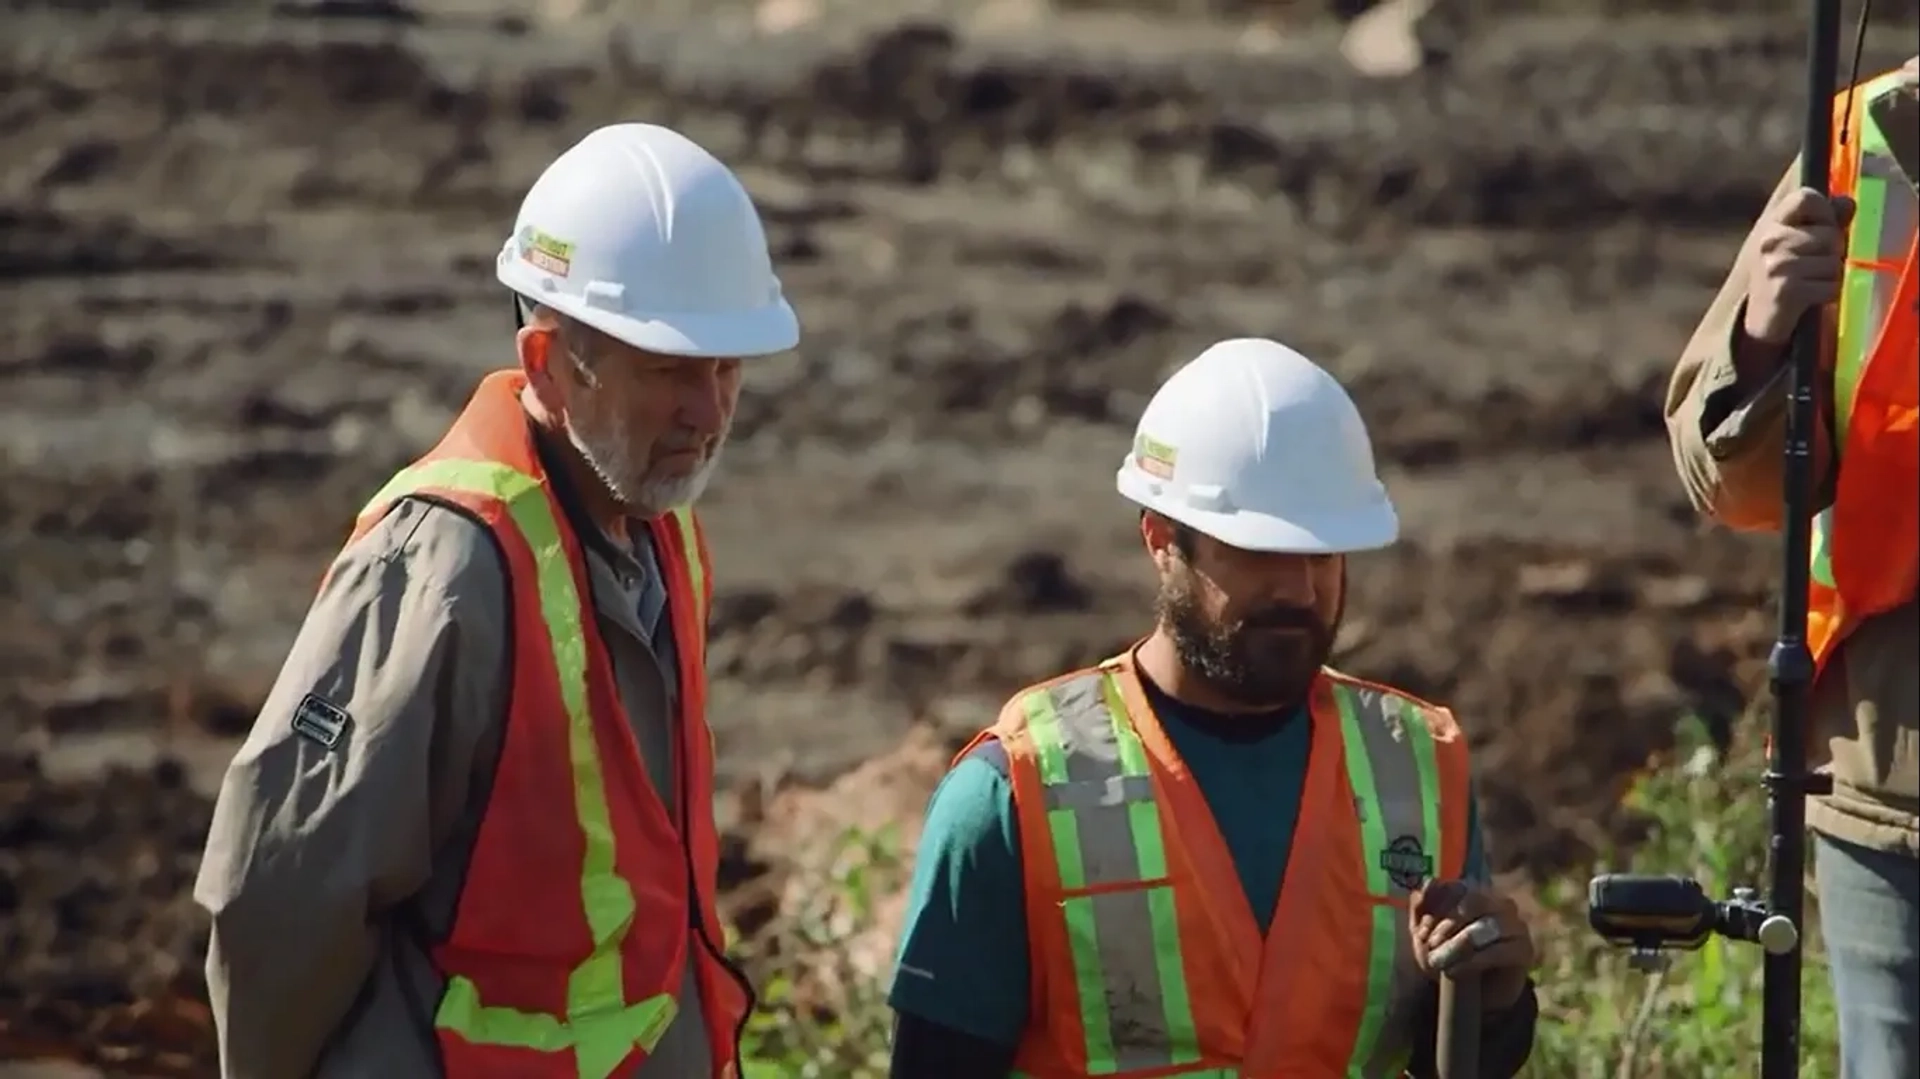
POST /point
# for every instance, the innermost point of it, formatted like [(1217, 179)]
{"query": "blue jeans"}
[(1870, 917)]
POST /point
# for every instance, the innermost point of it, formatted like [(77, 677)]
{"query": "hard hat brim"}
[(1369, 526), (762, 331)]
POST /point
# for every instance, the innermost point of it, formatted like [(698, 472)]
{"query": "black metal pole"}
[(1456, 1053), (1791, 663)]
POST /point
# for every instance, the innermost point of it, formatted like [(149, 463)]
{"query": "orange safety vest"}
[(570, 937), (1147, 960), (1866, 545)]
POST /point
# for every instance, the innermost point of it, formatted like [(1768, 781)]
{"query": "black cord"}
[(1853, 75)]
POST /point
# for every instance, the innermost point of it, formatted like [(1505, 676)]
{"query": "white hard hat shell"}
[(640, 233), (1255, 445)]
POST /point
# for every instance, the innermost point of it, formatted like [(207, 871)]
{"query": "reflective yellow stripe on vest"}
[(1885, 214), (600, 1027), (1107, 829), (696, 565), (1396, 781)]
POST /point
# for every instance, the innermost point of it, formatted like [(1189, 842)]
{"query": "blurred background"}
[(245, 255)]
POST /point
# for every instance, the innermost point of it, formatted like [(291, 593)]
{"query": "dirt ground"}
[(246, 259)]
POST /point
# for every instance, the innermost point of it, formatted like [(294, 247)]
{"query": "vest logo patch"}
[(1407, 864), (321, 722)]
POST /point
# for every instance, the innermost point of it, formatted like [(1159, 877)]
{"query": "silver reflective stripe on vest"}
[(1106, 828), (1396, 787)]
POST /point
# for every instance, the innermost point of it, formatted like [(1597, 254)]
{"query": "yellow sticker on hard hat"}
[(1153, 456), (547, 252)]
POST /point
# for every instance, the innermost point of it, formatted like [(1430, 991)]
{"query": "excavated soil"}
[(245, 253)]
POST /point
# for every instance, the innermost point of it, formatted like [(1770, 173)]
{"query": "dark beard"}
[(1238, 659)]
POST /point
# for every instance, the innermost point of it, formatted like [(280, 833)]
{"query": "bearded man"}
[(471, 832), (1214, 855)]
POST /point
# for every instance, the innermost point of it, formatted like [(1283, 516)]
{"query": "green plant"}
[(1601, 1019), (823, 1013)]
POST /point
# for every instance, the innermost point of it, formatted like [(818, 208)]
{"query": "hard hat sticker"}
[(550, 254), (1154, 457)]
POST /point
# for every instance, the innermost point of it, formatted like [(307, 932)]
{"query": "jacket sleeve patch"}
[(321, 722)]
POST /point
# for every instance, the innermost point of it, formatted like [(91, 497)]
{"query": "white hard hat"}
[(1253, 444), (641, 234)]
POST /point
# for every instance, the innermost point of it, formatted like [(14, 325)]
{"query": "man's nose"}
[(1291, 582), (704, 402)]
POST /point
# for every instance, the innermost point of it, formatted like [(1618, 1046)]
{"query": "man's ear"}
[(538, 347), (1157, 533)]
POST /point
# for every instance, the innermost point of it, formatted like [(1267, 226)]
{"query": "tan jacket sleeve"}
[(315, 836), (1728, 438)]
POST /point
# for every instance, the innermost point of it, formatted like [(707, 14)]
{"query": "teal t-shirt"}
[(963, 950)]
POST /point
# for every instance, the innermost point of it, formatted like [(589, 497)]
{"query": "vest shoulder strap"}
[(1038, 703), (1017, 715), (1439, 719), (482, 481), (1851, 101), (1014, 713), (693, 558), (1853, 119), (1885, 82)]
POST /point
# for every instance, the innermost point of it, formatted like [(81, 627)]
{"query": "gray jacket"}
[(329, 872)]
